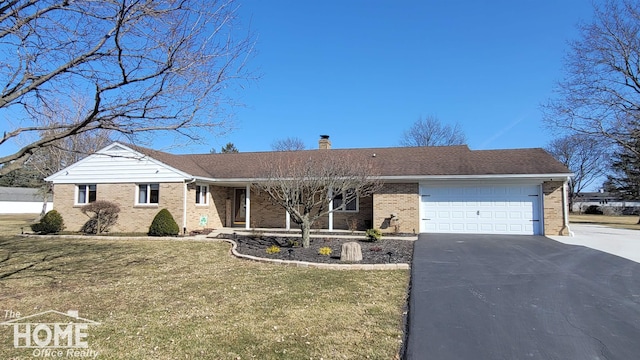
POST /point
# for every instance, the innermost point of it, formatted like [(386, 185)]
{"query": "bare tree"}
[(288, 144), (431, 132), (584, 156), (147, 66), (61, 153), (67, 150), (307, 186), (600, 93)]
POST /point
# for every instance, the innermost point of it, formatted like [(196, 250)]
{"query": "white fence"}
[(614, 207), (22, 207), (22, 201)]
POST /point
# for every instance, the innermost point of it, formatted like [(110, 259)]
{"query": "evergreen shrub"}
[(50, 223), (164, 225)]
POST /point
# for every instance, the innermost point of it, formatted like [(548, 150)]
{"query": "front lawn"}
[(12, 224), (622, 222), (190, 299)]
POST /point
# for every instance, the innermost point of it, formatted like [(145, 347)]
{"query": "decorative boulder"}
[(351, 251)]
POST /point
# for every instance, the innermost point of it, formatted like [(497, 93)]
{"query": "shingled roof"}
[(389, 162)]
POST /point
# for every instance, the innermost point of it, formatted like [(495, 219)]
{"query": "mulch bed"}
[(382, 252)]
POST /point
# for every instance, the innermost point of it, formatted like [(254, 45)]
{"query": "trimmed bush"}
[(102, 215), (593, 210), (164, 225), (50, 223), (374, 235)]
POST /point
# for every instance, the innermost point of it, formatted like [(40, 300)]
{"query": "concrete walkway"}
[(621, 242), (340, 234)]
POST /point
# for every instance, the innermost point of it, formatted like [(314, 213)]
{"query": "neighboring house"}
[(14, 200), (427, 189), (608, 203)]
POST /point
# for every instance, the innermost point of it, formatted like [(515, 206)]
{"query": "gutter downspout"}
[(565, 207), (184, 205)]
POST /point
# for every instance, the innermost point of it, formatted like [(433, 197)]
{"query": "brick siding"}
[(401, 199), (131, 218), (214, 211), (363, 218), (265, 214), (553, 211)]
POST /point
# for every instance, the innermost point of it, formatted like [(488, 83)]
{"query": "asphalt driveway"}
[(520, 297)]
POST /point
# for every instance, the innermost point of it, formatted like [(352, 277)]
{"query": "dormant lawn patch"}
[(12, 224), (168, 299), (622, 222)]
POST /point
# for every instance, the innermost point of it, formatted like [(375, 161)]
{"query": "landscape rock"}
[(351, 251)]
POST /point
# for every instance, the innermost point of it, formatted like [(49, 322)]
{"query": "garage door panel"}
[(471, 227), (501, 227), (488, 209), (501, 215), (516, 228)]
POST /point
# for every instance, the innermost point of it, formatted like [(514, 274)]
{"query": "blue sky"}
[(364, 71)]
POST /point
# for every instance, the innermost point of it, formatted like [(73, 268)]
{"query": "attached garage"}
[(487, 209)]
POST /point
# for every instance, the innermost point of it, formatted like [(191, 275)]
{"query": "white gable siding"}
[(116, 164)]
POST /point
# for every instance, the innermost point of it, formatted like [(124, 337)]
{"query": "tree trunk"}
[(305, 226), (98, 224), (44, 208)]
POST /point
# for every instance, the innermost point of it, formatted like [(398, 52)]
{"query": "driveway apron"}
[(520, 297)]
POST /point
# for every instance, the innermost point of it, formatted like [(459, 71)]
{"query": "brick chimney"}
[(324, 143)]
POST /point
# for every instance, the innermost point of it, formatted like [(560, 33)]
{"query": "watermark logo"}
[(51, 333)]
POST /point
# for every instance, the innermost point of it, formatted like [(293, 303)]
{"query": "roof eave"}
[(418, 178), (544, 177)]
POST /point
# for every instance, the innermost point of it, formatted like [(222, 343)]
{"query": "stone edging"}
[(296, 263)]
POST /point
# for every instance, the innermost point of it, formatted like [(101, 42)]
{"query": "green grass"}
[(621, 222), (167, 299)]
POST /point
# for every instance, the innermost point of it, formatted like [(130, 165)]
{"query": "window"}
[(148, 193), (86, 194), (201, 194), (352, 205)]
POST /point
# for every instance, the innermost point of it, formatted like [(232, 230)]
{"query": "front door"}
[(240, 207)]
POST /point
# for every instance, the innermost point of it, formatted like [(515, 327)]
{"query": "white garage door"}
[(481, 209)]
